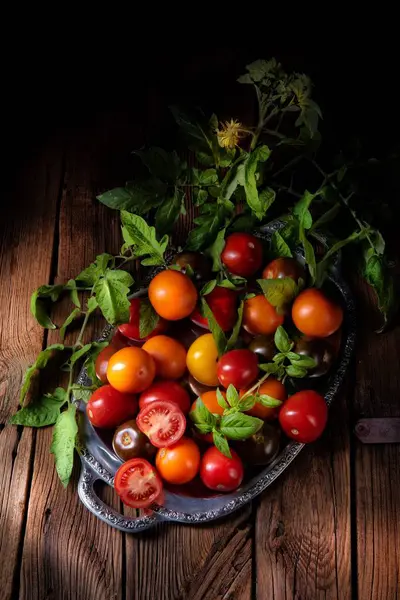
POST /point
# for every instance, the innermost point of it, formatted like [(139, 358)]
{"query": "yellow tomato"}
[(202, 358)]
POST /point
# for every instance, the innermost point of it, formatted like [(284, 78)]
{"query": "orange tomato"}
[(169, 356), (210, 401), (173, 295), (180, 462), (314, 314), (130, 370), (202, 358), (260, 317), (271, 387)]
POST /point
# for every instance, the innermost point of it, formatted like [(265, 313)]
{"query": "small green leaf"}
[(221, 400), (73, 292), (160, 163), (232, 396), (279, 248), (225, 283), (279, 292), (268, 401), (40, 363), (378, 276), (215, 250), (144, 239), (202, 416), (208, 287), (112, 292), (148, 318), (236, 329), (257, 206), (199, 196), (79, 353), (218, 334), (280, 357), (63, 444), (169, 211), (309, 256), (281, 340), (301, 210), (95, 270), (294, 371), (82, 392), (305, 362), (266, 197), (41, 412), (71, 317), (221, 443), (247, 403), (271, 368), (91, 304), (327, 217), (207, 177), (38, 306), (137, 197), (209, 223), (238, 426)]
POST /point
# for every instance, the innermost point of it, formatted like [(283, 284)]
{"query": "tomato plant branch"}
[(256, 385)]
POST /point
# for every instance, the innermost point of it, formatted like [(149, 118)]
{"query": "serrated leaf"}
[(168, 212), (38, 304), (160, 163), (279, 292), (41, 361), (207, 177), (238, 426), (218, 334), (63, 444), (260, 154), (208, 287), (221, 443), (279, 248), (137, 197), (236, 329), (301, 210), (71, 317), (209, 225), (41, 412), (377, 275), (268, 401), (144, 238), (91, 274), (232, 396), (221, 400), (215, 250), (281, 340), (148, 318), (112, 292)]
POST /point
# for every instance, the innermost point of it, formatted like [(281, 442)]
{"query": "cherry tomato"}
[(318, 349), (171, 391), (262, 447), (218, 472), (131, 370), (179, 463), (264, 347), (101, 363), (137, 483), (303, 417), (237, 367), (202, 360), (242, 254), (197, 388), (211, 402), (284, 267), (169, 356), (108, 407), (131, 329), (260, 317), (163, 423), (200, 264), (130, 442), (316, 315), (222, 303), (274, 388), (173, 295)]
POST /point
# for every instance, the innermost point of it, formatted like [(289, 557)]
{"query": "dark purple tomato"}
[(237, 367), (200, 264), (280, 268), (242, 254), (264, 347), (262, 447), (130, 442), (318, 349)]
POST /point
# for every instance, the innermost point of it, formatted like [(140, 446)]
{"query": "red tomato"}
[(179, 463), (109, 408), (239, 367), (316, 315), (218, 472), (131, 370), (242, 254), (163, 423), (284, 267), (171, 391), (303, 417), (101, 363), (131, 329), (260, 317), (137, 483), (222, 303)]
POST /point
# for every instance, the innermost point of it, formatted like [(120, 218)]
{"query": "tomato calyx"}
[(137, 483), (163, 423)]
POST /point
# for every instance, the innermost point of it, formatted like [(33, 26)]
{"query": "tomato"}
[(171, 391), (169, 356), (284, 267), (130, 442), (200, 264), (108, 407), (316, 315), (137, 483), (131, 329), (179, 463), (303, 417), (242, 254), (163, 423), (197, 388), (101, 363), (131, 370), (202, 360), (260, 317), (218, 472), (222, 303), (271, 387), (262, 447), (318, 349), (211, 402), (237, 367), (173, 295), (264, 347)]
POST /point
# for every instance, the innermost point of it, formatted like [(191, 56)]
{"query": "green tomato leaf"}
[(79, 353), (112, 292), (63, 444), (247, 403), (90, 360), (279, 248), (160, 163), (215, 250), (82, 392), (267, 197), (38, 304), (236, 329), (378, 276), (238, 426), (73, 292), (71, 317), (137, 197), (207, 177), (41, 412), (221, 443), (199, 196), (260, 154), (309, 256), (202, 416), (279, 292), (232, 396), (209, 223), (143, 237), (218, 334), (295, 371), (95, 270), (169, 211), (41, 361), (221, 400), (268, 401), (148, 318), (281, 340), (301, 210), (208, 287)]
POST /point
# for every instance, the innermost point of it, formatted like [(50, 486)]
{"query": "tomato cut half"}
[(137, 483), (163, 423)]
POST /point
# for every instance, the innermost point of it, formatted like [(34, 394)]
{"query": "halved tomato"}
[(137, 483), (163, 423)]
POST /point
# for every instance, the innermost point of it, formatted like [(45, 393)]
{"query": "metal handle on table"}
[(104, 512)]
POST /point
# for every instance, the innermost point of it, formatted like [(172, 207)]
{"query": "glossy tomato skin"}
[(274, 388), (197, 388), (168, 390), (131, 330), (163, 423), (173, 295), (169, 356), (200, 264), (303, 417), (131, 370), (202, 360), (320, 350), (108, 408), (137, 483), (179, 463), (210, 401), (260, 317), (280, 268), (262, 447), (222, 303), (129, 442), (101, 363), (315, 315), (238, 367), (242, 254), (264, 347), (220, 473)]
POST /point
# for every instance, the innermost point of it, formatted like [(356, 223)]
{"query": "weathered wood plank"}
[(302, 543), (26, 242), (377, 468)]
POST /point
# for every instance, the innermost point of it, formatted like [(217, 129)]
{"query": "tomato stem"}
[(256, 385)]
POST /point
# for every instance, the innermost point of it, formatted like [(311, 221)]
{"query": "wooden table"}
[(328, 528)]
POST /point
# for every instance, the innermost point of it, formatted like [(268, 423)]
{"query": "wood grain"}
[(26, 243), (302, 543), (377, 468)]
